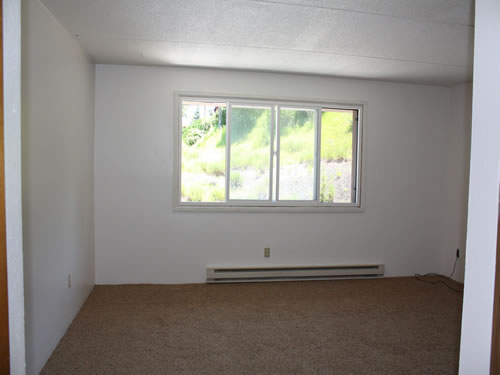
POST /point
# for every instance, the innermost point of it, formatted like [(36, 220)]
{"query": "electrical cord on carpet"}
[(441, 277)]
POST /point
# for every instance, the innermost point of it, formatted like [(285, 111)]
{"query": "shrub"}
[(204, 192), (326, 191), (191, 135), (195, 193), (200, 127), (217, 195)]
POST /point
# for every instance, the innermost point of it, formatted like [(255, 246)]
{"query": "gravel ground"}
[(296, 181), (340, 174)]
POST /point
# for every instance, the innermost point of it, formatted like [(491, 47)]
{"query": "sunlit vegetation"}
[(204, 152)]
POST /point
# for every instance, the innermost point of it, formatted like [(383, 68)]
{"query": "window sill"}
[(274, 209)]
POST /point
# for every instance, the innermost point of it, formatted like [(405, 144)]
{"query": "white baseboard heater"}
[(226, 274)]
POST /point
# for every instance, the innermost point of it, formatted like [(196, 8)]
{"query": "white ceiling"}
[(426, 41)]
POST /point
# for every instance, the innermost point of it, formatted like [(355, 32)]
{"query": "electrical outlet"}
[(69, 280), (458, 253), (267, 252)]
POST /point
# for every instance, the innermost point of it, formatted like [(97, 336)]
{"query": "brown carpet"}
[(384, 326)]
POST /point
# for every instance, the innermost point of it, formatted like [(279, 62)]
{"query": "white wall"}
[(483, 196), (57, 152), (457, 181), (12, 138), (140, 239)]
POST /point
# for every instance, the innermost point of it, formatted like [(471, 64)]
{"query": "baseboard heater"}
[(292, 273)]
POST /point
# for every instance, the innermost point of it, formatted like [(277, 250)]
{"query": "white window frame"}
[(269, 205)]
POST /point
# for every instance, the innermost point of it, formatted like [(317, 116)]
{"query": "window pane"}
[(336, 156), (297, 139), (203, 152), (250, 152)]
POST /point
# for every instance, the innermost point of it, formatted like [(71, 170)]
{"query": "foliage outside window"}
[(267, 153)]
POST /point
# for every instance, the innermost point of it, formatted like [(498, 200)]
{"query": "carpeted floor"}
[(384, 326)]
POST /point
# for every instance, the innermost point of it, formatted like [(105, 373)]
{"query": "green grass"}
[(327, 191), (203, 193), (297, 145), (205, 156), (205, 160), (336, 136)]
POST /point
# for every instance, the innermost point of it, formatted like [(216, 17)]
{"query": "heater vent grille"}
[(292, 273)]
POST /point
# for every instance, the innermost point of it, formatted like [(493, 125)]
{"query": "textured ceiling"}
[(427, 41)]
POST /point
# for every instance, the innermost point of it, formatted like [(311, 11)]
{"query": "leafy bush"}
[(200, 127), (196, 131), (222, 122)]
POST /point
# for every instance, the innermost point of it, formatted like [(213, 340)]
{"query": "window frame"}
[(269, 205)]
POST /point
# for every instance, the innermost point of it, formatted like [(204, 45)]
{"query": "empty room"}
[(250, 187)]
